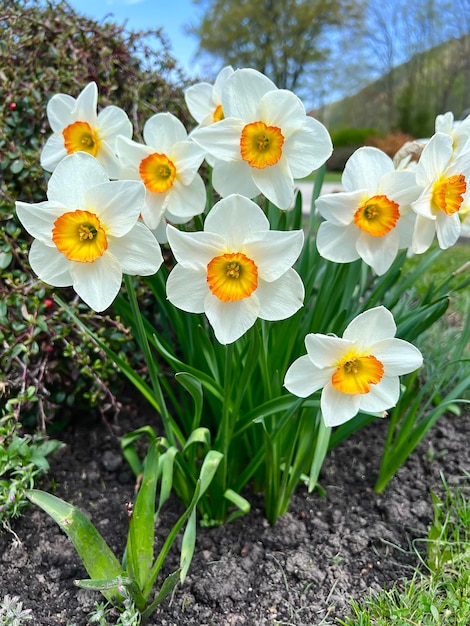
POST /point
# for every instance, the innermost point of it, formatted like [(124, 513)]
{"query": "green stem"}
[(150, 360)]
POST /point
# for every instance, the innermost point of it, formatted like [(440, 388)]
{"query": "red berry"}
[(12, 106), (48, 303)]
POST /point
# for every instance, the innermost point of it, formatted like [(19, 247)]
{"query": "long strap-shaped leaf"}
[(95, 554)]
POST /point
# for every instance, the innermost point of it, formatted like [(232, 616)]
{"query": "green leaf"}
[(208, 469), (192, 384), (142, 523), (95, 554)]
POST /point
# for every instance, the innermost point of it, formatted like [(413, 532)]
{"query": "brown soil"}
[(303, 571)]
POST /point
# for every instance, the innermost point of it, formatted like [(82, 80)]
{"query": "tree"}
[(284, 39)]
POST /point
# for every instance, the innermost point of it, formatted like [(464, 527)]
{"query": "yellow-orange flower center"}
[(218, 113), (447, 194), (355, 374), (261, 145), (377, 216), (80, 137), (80, 236), (157, 172), (232, 276)]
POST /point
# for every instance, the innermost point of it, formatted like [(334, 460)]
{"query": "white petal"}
[(50, 265), (59, 111), (308, 148), (401, 187), (73, 177), (234, 178), (397, 356), (338, 408), (186, 201), (434, 159), (340, 207), (222, 140), (283, 109), (381, 396), (276, 183), (162, 131), (199, 101), (370, 327), (448, 229), (364, 169), (444, 123), (131, 153), (243, 91), (138, 251), (281, 298), (303, 378), (194, 250), (85, 105), (113, 121), (378, 252), (97, 283), (117, 203), (274, 252), (187, 157), (109, 161), (53, 152), (187, 289), (231, 320), (326, 350), (423, 234), (220, 81), (39, 218), (154, 208), (337, 243), (235, 219)]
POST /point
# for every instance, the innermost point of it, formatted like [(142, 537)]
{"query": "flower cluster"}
[(112, 201)]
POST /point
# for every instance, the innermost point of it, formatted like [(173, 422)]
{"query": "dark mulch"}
[(303, 571)]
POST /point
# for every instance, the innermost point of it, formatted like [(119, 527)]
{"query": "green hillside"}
[(409, 97)]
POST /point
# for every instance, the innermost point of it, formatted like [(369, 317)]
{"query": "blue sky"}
[(172, 15)]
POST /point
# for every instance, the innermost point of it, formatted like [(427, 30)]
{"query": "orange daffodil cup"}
[(358, 372), (78, 128), (167, 164), (264, 140), (88, 233), (372, 219), (236, 270)]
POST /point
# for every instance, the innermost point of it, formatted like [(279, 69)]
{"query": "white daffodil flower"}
[(204, 100), (236, 270), (358, 372), (167, 164), (77, 127), (372, 219), (444, 179), (87, 233), (265, 140), (459, 130)]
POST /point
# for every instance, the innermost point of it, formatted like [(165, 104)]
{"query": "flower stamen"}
[(377, 216)]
